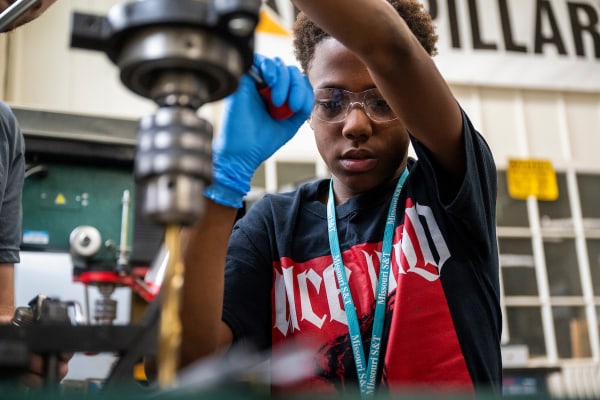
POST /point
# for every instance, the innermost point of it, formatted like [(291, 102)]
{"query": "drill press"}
[(181, 54)]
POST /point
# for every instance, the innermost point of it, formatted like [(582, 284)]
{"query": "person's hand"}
[(249, 135), (30, 15), (34, 377)]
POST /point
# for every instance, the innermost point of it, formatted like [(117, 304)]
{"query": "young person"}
[(390, 267)]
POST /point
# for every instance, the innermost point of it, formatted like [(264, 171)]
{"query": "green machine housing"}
[(79, 173)]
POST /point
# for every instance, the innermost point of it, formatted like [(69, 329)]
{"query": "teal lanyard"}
[(367, 374)]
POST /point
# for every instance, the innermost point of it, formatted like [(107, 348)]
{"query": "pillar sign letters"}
[(546, 44), (539, 44)]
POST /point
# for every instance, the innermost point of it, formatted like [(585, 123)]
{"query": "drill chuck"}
[(174, 162)]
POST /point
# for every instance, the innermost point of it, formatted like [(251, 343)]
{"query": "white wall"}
[(561, 126), (43, 72)]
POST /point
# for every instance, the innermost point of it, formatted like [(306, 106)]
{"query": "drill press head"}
[(181, 54)]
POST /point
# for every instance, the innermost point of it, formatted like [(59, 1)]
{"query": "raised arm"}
[(401, 68), (248, 136)]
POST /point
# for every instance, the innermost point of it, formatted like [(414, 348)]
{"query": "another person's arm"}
[(401, 68), (12, 177), (7, 292), (12, 171)]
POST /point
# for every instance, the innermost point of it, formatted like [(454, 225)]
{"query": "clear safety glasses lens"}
[(332, 105)]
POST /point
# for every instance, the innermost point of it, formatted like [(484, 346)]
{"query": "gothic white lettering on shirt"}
[(411, 252)]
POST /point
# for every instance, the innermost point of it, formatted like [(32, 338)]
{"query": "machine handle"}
[(14, 12), (277, 112)]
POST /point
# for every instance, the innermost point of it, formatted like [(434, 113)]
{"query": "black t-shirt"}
[(443, 320)]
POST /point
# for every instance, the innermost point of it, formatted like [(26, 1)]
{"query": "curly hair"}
[(307, 35)]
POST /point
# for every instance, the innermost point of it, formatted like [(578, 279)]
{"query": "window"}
[(557, 214), (509, 212), (562, 267), (518, 267), (545, 268), (590, 198), (525, 325), (593, 248)]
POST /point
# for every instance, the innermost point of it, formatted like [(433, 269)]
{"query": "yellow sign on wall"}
[(531, 177)]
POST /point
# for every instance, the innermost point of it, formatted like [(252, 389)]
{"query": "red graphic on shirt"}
[(422, 347)]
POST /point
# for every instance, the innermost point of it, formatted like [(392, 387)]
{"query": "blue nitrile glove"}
[(249, 135)]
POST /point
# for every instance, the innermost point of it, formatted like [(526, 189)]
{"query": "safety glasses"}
[(332, 105)]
